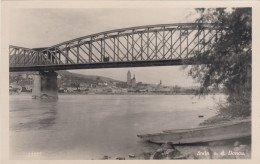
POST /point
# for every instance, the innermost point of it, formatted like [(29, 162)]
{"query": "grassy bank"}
[(218, 119)]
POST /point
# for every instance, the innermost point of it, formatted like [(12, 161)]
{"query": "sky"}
[(33, 28)]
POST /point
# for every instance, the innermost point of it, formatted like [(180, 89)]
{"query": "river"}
[(92, 126)]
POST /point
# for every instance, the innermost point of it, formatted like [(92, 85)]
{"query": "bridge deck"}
[(103, 65)]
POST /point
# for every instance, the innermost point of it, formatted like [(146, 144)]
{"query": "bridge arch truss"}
[(136, 46)]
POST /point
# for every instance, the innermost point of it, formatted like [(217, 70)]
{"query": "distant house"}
[(107, 90), (116, 90), (100, 84), (124, 90), (143, 90), (82, 88), (96, 90), (139, 84), (69, 89), (65, 90), (121, 85), (30, 76), (26, 89), (99, 90), (61, 90), (14, 89), (24, 76), (150, 88), (93, 85), (84, 85)]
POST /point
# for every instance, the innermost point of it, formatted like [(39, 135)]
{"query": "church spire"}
[(128, 78)]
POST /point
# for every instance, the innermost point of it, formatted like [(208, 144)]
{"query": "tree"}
[(230, 58), (98, 78)]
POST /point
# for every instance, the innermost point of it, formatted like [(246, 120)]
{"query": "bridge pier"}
[(45, 85)]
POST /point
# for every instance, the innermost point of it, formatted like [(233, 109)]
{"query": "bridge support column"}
[(45, 85)]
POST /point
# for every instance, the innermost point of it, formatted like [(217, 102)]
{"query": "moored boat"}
[(225, 131)]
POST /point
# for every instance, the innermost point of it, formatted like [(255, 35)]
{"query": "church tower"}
[(133, 81), (128, 78)]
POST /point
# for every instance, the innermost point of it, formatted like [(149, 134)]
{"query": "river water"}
[(92, 126)]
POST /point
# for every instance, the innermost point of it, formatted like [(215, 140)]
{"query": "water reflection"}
[(40, 114), (50, 115)]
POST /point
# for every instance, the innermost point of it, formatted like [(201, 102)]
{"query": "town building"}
[(161, 88)]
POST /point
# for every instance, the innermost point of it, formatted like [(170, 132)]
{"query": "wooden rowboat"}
[(226, 131)]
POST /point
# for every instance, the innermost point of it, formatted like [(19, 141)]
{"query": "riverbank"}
[(225, 149), (128, 93), (232, 149)]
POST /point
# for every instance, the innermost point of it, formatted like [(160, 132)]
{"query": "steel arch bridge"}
[(154, 45)]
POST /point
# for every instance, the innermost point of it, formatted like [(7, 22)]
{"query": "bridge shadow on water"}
[(50, 113), (41, 115)]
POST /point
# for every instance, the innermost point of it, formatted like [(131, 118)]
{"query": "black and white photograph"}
[(129, 83)]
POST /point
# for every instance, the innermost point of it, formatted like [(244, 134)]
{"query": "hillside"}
[(68, 78), (87, 77)]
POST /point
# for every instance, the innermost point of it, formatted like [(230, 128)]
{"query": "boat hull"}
[(226, 131)]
